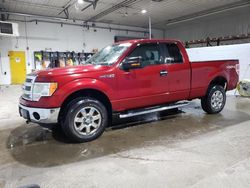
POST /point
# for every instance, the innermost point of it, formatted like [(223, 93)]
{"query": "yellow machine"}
[(17, 66)]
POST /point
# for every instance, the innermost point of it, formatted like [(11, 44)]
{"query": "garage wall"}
[(49, 36), (233, 22)]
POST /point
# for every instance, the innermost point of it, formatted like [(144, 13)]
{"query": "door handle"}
[(163, 73)]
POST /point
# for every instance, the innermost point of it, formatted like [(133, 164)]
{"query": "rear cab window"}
[(172, 54)]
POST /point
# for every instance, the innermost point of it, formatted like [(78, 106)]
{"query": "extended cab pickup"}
[(127, 78)]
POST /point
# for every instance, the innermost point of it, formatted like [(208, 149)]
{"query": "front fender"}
[(85, 83)]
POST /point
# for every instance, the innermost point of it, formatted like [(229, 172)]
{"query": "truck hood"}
[(71, 70)]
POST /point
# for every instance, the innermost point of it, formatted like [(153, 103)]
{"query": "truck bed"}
[(203, 71)]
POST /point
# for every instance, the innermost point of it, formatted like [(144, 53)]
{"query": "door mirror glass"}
[(131, 63)]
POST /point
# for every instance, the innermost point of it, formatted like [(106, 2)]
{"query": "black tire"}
[(211, 103), (75, 118)]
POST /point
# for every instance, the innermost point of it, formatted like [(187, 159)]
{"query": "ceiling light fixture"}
[(144, 11), (80, 1)]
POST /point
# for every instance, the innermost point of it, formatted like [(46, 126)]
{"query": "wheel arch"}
[(93, 93), (219, 80)]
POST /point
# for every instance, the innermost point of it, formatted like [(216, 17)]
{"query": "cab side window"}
[(149, 53), (173, 54)]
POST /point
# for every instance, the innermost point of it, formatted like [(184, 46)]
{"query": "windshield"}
[(108, 55)]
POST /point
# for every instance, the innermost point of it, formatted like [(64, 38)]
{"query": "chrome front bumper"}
[(39, 115)]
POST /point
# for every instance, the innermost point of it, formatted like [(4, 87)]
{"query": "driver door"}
[(147, 85)]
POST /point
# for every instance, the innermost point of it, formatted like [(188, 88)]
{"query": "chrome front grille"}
[(28, 86)]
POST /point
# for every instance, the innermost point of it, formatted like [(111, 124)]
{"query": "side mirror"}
[(132, 63)]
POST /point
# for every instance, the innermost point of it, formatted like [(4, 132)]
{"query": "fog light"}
[(36, 115)]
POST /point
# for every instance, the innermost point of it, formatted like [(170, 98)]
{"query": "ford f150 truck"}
[(127, 78)]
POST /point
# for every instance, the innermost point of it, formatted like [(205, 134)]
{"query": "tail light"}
[(237, 68)]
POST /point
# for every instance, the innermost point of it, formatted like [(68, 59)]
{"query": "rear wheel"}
[(85, 120), (215, 100)]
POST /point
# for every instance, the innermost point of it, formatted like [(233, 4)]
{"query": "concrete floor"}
[(187, 148)]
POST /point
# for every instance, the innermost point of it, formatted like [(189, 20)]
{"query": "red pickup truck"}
[(129, 78)]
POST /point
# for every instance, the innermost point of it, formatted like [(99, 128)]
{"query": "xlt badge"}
[(108, 76)]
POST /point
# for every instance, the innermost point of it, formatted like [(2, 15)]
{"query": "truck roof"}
[(134, 41)]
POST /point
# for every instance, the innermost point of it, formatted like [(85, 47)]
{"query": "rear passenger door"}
[(178, 72)]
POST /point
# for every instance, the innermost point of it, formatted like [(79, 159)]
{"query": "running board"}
[(132, 113)]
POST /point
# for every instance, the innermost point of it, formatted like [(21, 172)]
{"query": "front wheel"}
[(85, 120), (215, 100)]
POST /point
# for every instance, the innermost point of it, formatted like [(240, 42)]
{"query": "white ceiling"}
[(160, 12)]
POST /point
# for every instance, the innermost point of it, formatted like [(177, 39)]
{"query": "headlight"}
[(43, 90)]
